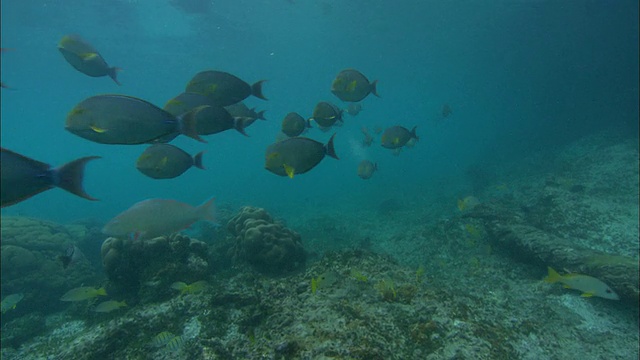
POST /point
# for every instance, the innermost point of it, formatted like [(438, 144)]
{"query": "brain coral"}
[(264, 243)]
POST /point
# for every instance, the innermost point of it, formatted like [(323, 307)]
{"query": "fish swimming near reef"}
[(85, 58), (223, 88), (468, 203), (157, 217), (326, 114), (161, 339), (10, 302), (396, 137), (71, 255), (121, 119), (353, 109), (324, 280), (293, 124), (350, 85), (189, 288), (368, 139), (165, 161), (83, 293), (297, 155), (366, 169), (589, 286), (109, 306), (240, 110), (22, 177)]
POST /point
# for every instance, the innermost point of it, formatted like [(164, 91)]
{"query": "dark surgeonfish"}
[(249, 116), (23, 177), (350, 85), (297, 155), (215, 119), (366, 169), (120, 119), (293, 124), (223, 88), (326, 114), (397, 136), (164, 161), (368, 139), (446, 111), (85, 58)]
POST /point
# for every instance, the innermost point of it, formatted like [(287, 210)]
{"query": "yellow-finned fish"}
[(109, 306), (186, 288), (10, 302), (83, 293), (589, 286)]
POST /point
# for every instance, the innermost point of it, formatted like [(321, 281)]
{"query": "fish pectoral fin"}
[(352, 86), (566, 286), (97, 129), (289, 170), (88, 56), (587, 294)]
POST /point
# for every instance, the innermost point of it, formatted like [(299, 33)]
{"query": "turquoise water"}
[(519, 76), (527, 82)]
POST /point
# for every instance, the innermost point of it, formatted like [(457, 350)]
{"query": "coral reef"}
[(136, 269), (30, 251), (264, 243)]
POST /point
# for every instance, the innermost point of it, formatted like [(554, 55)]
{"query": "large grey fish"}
[(326, 114), (23, 177), (297, 155), (223, 88), (84, 58), (120, 119), (366, 169), (164, 161), (397, 136), (293, 124), (157, 217), (350, 85)]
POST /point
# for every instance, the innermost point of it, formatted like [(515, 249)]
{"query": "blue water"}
[(520, 76)]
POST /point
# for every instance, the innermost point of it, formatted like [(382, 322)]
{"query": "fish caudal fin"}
[(113, 74), (197, 160), (330, 150), (552, 276), (256, 90), (70, 176), (207, 211), (413, 133), (189, 122), (374, 91), (260, 115)]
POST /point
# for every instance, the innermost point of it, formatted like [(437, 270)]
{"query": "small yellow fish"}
[(10, 302), (356, 274), (589, 286), (193, 288), (468, 203), (109, 306), (325, 280), (472, 230), (162, 339), (83, 293), (175, 343)]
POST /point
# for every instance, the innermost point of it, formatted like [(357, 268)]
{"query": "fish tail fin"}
[(207, 211), (101, 291), (330, 150), (189, 122), (413, 133), (238, 124), (374, 90), (197, 160), (113, 74), (552, 276), (70, 176), (256, 90), (260, 115)]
